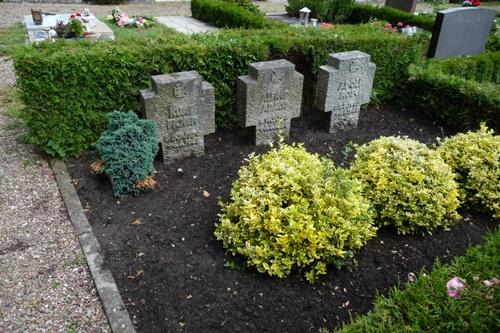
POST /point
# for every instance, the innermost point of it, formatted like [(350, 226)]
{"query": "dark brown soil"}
[(170, 269)]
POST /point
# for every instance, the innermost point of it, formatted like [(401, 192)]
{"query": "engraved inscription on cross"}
[(343, 85), (182, 104), (269, 97)]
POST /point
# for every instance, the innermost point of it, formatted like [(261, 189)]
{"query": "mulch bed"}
[(170, 269)]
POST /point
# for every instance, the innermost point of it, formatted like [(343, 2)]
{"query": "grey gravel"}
[(45, 285)]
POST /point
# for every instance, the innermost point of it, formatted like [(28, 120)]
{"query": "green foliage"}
[(247, 4), (128, 148), (481, 68), (364, 13), (409, 185), (424, 306), (329, 10), (68, 87), (292, 209), (229, 14), (319, 8), (461, 93), (475, 158)]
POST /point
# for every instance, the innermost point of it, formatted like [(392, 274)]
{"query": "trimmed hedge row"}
[(460, 93), (365, 13), (229, 15), (68, 87)]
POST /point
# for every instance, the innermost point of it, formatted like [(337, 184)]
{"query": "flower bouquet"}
[(75, 28), (123, 20), (404, 28)]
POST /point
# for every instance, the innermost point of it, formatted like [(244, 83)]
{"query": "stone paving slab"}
[(184, 24)]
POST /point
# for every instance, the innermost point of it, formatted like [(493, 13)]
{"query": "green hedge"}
[(461, 92), (68, 87), (365, 13), (228, 15)]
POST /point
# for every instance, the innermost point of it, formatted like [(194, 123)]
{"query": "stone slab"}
[(344, 84), (39, 32), (460, 32), (183, 107), (269, 97), (185, 25), (112, 302), (403, 5)]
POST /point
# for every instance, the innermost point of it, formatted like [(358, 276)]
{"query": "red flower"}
[(476, 3), (72, 16), (78, 14)]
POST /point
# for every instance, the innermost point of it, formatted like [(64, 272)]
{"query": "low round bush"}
[(127, 149), (475, 158), (409, 184), (292, 209)]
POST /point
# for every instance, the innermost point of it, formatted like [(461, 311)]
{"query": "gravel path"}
[(45, 285)]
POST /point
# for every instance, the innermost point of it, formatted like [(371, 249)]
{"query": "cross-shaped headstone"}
[(343, 85), (269, 97), (182, 104)]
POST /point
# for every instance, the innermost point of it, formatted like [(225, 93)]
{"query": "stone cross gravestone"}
[(343, 85), (269, 97), (182, 104), (460, 31), (404, 5)]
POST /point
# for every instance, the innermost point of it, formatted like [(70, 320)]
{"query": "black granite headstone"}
[(460, 31), (404, 5)]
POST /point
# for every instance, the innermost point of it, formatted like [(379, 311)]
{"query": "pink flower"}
[(455, 286), (123, 20), (388, 25), (492, 282), (400, 24)]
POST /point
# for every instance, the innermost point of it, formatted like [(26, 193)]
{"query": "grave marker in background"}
[(460, 31), (269, 97), (182, 104), (403, 5), (343, 85)]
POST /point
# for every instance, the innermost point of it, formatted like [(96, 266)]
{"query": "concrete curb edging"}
[(111, 299)]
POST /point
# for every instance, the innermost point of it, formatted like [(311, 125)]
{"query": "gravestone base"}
[(408, 6)]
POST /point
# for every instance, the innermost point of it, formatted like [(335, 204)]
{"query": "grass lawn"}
[(11, 36), (424, 306), (154, 33)]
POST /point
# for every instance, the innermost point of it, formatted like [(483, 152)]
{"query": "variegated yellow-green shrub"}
[(475, 158), (292, 209), (409, 184)]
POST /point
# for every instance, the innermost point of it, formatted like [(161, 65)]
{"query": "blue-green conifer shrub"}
[(128, 148)]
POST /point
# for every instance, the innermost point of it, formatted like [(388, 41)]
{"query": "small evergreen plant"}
[(292, 209), (409, 184), (475, 158), (127, 149)]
